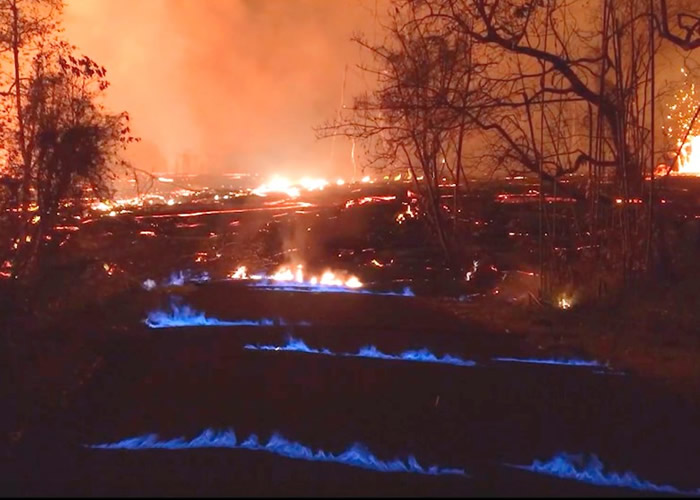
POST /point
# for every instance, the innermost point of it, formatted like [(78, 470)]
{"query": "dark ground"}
[(126, 380)]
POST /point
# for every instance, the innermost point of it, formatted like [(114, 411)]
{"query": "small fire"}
[(470, 274), (684, 129), (689, 159), (295, 275), (408, 213), (564, 302)]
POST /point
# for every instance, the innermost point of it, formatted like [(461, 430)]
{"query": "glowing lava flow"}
[(421, 355), (567, 362), (184, 315), (281, 185), (576, 467), (293, 280), (356, 455)]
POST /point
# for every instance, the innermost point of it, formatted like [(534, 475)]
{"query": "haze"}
[(228, 85)]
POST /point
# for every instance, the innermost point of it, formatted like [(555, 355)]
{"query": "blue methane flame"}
[(296, 345), (422, 355), (184, 315), (568, 362), (356, 455), (577, 467)]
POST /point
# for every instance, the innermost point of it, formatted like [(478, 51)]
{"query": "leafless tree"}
[(551, 87), (59, 144)]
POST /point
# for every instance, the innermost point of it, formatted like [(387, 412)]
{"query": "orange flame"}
[(286, 274), (689, 159)]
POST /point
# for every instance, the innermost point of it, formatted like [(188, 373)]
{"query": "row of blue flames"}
[(182, 315), (587, 469)]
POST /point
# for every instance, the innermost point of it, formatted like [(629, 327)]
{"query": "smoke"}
[(226, 85)]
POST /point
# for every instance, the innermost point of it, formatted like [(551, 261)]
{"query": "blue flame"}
[(577, 467), (184, 315), (568, 362), (311, 288), (422, 355), (292, 344), (356, 455)]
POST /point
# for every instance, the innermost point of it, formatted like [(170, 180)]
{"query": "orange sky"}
[(240, 83)]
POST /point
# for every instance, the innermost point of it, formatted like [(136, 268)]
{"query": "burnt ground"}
[(127, 380)]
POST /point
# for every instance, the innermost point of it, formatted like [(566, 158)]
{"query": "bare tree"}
[(554, 88), (414, 118), (59, 143)]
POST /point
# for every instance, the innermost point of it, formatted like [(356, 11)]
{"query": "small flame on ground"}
[(370, 351), (357, 455), (591, 471), (566, 362), (184, 315), (286, 274), (564, 302)]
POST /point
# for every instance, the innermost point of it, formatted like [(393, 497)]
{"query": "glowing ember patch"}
[(408, 213), (420, 355), (300, 204), (591, 471), (101, 207), (369, 199), (357, 455), (147, 233)]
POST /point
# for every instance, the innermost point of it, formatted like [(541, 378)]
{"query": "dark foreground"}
[(180, 381)]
